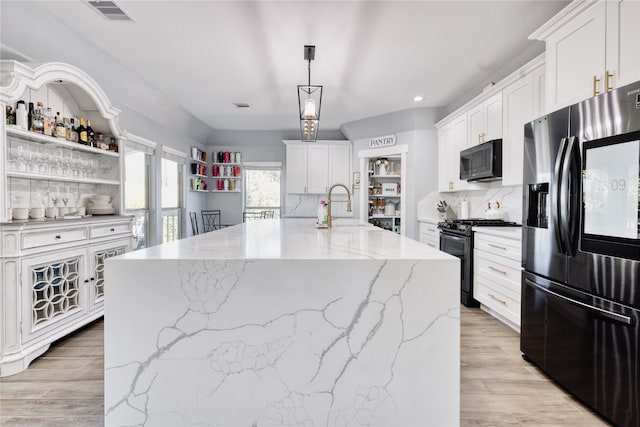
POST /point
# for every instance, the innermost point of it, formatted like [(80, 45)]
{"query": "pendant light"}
[(309, 102)]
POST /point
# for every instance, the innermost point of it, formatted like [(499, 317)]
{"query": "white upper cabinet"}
[(521, 104), (452, 138), (312, 167), (339, 164), (591, 47), (485, 121), (317, 168), (623, 41)]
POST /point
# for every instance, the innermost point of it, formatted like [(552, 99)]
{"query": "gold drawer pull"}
[(431, 229), (497, 246), (497, 271), (595, 85), (498, 299)]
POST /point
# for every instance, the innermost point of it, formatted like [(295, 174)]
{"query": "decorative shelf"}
[(386, 176), (13, 130), (226, 164), (43, 177), (379, 216), (200, 162), (199, 176), (224, 191), (200, 191)]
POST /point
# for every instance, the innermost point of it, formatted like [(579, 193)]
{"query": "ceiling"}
[(372, 57)]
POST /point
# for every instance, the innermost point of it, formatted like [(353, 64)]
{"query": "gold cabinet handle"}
[(498, 299), (481, 138), (497, 270), (607, 81), (497, 246), (595, 85)]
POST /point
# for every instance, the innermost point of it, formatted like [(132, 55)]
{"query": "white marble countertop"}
[(514, 232), (293, 239)]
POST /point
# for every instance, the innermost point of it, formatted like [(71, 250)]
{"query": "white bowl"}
[(20, 213), (36, 213), (100, 199)]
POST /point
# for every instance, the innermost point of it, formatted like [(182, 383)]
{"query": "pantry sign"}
[(382, 141)]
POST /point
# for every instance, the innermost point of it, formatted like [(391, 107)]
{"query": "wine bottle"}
[(49, 124), (74, 131), (61, 130), (91, 135), (37, 125), (30, 116), (82, 133)]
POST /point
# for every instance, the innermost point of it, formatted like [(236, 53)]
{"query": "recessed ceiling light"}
[(418, 98), (242, 105)]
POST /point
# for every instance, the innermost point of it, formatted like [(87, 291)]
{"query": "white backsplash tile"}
[(510, 199), (306, 205)]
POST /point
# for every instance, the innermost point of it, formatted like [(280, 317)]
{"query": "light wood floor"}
[(64, 387)]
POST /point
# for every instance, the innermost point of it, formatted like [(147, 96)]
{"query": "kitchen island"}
[(277, 323)]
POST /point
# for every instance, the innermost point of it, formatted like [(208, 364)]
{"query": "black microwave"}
[(482, 162)]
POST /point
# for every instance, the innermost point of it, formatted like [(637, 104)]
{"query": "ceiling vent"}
[(242, 105), (110, 10)]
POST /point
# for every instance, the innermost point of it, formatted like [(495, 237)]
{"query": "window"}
[(136, 192), (262, 188), (171, 193)]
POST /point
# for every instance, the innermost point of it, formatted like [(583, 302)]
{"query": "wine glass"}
[(75, 193)]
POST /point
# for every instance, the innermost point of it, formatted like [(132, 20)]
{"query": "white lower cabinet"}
[(429, 233), (497, 273), (52, 281)]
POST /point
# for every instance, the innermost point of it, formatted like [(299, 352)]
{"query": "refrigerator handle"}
[(626, 320), (556, 200), (570, 196)]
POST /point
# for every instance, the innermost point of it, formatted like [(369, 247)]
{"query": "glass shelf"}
[(13, 130), (43, 177)]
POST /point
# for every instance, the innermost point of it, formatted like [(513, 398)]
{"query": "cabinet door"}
[(97, 256), (539, 92), (575, 57), (317, 168), (53, 291), (493, 117), (517, 110), (340, 165), (460, 143), (445, 158), (475, 123), (296, 169), (623, 41)]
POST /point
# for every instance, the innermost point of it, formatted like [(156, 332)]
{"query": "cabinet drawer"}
[(486, 293), (53, 237), (508, 248), (503, 271), (109, 230)]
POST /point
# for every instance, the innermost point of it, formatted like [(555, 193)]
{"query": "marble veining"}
[(264, 342)]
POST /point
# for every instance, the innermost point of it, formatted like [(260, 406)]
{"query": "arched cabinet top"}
[(16, 78)]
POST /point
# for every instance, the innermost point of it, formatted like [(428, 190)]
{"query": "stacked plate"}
[(100, 205)]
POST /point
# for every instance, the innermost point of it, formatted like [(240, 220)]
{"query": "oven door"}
[(460, 246)]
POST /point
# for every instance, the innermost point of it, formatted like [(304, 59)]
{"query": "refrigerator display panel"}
[(610, 190)]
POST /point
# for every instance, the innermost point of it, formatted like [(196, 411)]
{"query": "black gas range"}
[(456, 238)]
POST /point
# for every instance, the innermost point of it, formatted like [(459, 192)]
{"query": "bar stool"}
[(210, 220)]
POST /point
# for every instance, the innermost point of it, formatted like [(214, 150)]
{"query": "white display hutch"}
[(52, 269)]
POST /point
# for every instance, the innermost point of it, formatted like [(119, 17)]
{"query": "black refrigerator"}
[(581, 251)]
